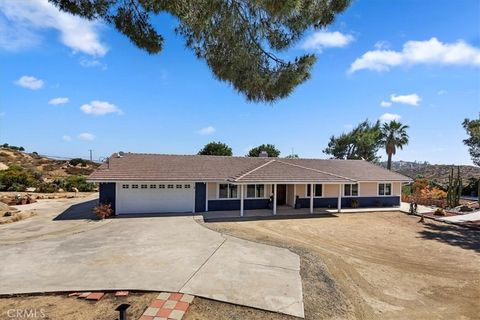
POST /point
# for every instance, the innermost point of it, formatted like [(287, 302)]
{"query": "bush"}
[(103, 210), (439, 212), (75, 161), (78, 182), (47, 187), (16, 178), (354, 203)]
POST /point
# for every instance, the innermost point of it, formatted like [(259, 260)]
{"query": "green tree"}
[(268, 148), (292, 156), (473, 141), (362, 142), (216, 149), (16, 178), (394, 135), (238, 39)]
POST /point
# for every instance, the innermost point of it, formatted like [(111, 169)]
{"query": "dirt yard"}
[(61, 307), (382, 265)]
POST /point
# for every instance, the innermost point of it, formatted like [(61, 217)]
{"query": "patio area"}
[(284, 212)]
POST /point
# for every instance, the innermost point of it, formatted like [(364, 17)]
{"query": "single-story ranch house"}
[(136, 183)]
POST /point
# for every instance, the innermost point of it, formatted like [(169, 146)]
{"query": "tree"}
[(238, 39), (269, 148), (292, 156), (473, 141), (362, 142), (394, 135), (216, 149)]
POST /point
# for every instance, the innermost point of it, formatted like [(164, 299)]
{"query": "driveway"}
[(69, 253)]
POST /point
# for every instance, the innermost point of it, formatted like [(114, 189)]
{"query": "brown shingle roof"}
[(160, 167)]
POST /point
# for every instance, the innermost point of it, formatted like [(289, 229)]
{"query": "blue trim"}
[(363, 202), (234, 204), (200, 196), (107, 194)]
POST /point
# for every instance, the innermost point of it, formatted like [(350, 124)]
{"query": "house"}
[(137, 183)]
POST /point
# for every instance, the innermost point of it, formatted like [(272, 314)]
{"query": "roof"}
[(162, 167)]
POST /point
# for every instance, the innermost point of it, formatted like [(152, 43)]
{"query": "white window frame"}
[(256, 197), (323, 190), (350, 196), (384, 183), (228, 191), (135, 186), (125, 186)]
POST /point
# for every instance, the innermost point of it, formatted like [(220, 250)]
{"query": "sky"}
[(68, 85)]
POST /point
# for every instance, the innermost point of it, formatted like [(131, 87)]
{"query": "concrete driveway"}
[(152, 253)]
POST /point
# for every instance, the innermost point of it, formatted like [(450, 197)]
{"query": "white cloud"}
[(29, 82), (385, 104), (58, 100), (86, 136), (442, 92), (411, 99), (66, 138), (323, 39), (206, 131), (25, 18), (382, 45), (419, 52), (386, 117), (100, 108), (91, 63)]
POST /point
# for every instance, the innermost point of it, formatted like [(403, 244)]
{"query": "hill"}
[(435, 172)]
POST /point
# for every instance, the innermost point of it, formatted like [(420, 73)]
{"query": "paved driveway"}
[(155, 253)]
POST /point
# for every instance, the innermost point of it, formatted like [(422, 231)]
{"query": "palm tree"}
[(394, 135)]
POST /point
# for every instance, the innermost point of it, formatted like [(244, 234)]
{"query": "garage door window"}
[(134, 186), (153, 186), (170, 186), (187, 186), (161, 186), (143, 186), (125, 186), (179, 186)]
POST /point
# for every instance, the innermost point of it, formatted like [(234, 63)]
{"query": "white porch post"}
[(206, 196), (311, 197), (339, 201), (241, 200), (274, 199)]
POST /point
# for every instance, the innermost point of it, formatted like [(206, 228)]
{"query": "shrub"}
[(47, 187), (16, 178), (354, 203), (103, 210), (76, 161), (439, 212), (78, 182)]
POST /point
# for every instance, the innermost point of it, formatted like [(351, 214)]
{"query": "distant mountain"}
[(435, 172)]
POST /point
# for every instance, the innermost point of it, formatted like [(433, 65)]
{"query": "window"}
[(350, 190), (227, 191), (125, 186), (384, 189), (256, 191), (178, 186), (143, 186), (187, 186), (170, 186), (134, 186), (318, 190), (161, 186), (153, 186)]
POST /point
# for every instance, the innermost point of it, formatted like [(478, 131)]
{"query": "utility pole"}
[(91, 158)]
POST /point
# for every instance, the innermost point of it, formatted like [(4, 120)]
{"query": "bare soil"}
[(382, 265), (62, 307)]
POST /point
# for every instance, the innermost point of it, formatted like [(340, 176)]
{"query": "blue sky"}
[(419, 59)]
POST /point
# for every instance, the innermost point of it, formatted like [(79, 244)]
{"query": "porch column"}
[(274, 199), (311, 197), (206, 196), (339, 201), (241, 200)]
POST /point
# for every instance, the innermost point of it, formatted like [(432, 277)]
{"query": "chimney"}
[(263, 154)]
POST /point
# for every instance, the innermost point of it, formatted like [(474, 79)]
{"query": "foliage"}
[(216, 149), (292, 156), (473, 141), (362, 142), (103, 210), (454, 189), (77, 161), (78, 182), (16, 178), (471, 189), (271, 150), (47, 187), (238, 39), (439, 212), (393, 135), (7, 146)]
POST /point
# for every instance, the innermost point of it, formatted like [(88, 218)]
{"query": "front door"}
[(281, 194)]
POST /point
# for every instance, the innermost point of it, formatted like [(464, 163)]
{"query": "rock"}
[(465, 208), (3, 166)]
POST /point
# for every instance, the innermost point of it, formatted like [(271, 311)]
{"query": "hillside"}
[(48, 168), (435, 172)]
